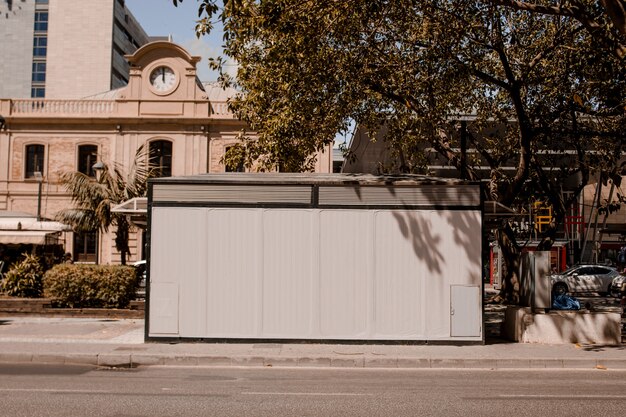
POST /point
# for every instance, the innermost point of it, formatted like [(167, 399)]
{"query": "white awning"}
[(13, 224), (137, 205), (32, 237), (136, 209)]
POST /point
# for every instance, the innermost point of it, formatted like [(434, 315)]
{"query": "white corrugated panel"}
[(427, 195), (345, 278), (191, 267), (163, 309), (440, 267), (225, 193), (401, 247), (288, 273), (172, 258), (233, 296)]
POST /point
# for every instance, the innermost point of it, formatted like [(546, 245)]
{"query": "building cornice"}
[(158, 46)]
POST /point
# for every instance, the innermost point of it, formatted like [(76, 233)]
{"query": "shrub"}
[(24, 279), (71, 285)]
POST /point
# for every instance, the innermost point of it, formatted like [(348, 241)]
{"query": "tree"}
[(604, 20), (93, 199), (554, 93)]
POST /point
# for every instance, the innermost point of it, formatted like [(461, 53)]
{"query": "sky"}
[(161, 18)]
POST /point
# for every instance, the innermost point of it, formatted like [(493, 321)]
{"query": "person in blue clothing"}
[(621, 258)]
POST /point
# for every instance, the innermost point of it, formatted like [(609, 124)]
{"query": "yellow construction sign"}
[(542, 215)]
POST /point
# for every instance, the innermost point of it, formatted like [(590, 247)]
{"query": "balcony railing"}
[(220, 109), (80, 107), (98, 108)]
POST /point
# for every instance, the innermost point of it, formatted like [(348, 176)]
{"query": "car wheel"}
[(559, 288)]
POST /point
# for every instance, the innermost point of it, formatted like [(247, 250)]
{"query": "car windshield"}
[(587, 270)]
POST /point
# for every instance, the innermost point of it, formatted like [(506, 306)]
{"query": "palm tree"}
[(93, 199)]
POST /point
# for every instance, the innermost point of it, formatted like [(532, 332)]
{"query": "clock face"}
[(163, 79)]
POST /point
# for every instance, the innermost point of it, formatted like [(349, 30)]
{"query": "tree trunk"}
[(510, 253), (121, 239)]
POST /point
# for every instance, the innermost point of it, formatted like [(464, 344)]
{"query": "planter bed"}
[(44, 307)]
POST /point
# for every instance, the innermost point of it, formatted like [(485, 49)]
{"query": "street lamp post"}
[(39, 178), (98, 167)]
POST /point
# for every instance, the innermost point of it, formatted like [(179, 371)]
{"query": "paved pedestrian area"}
[(120, 343)]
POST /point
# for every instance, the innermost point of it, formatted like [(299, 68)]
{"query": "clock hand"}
[(163, 74)]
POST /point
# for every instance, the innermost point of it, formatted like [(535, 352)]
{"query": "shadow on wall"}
[(426, 244), (607, 332), (427, 241), (424, 232)]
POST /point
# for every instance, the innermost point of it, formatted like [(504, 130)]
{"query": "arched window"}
[(161, 157), (34, 160), (87, 156)]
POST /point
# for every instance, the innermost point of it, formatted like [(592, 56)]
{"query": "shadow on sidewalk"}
[(602, 348)]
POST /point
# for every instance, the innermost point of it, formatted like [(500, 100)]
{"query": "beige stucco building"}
[(163, 107)]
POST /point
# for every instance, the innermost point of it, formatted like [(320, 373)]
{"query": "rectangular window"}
[(161, 158), (41, 21), (41, 1), (122, 79), (40, 46), (87, 157), (39, 71), (34, 160), (38, 92), (85, 247)]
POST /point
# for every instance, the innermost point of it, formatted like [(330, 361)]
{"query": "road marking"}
[(564, 396), (329, 394), (60, 391)]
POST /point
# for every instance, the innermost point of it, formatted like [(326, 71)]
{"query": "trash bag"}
[(565, 302)]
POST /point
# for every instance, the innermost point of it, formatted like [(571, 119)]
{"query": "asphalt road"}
[(28, 390)]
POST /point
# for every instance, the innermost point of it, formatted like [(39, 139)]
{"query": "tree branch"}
[(579, 14)]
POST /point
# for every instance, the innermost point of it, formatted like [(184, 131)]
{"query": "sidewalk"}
[(119, 343)]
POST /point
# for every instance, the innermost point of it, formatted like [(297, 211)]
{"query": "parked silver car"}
[(618, 288), (141, 274), (584, 279)]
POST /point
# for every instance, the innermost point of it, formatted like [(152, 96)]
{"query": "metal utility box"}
[(535, 288), (314, 257)]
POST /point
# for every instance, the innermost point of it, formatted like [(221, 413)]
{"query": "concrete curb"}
[(126, 360)]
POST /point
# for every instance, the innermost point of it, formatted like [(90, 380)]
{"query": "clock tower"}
[(162, 71)]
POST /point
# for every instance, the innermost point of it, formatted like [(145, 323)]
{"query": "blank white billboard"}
[(325, 274)]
